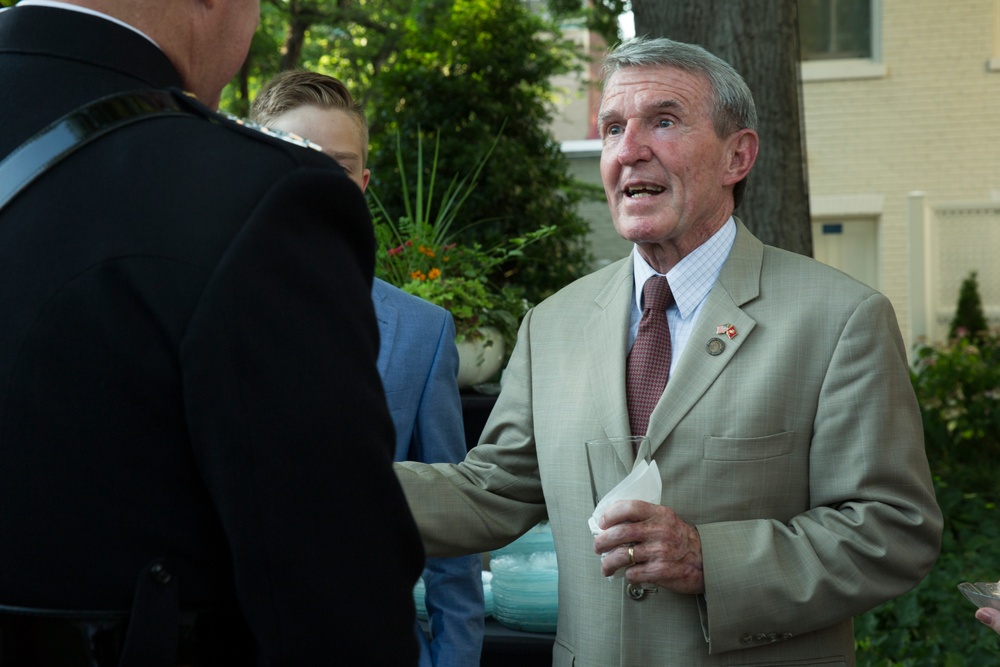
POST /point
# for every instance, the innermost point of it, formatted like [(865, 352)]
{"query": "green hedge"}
[(958, 388), (933, 624)]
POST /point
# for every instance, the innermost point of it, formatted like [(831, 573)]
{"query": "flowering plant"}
[(419, 253)]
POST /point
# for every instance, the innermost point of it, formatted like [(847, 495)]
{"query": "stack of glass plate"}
[(538, 538), (420, 593), (525, 591), (488, 602)]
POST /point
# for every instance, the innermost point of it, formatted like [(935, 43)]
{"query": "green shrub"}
[(958, 388), (933, 625), (969, 320), (467, 70)]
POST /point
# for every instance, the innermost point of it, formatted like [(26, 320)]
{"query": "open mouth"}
[(642, 191)]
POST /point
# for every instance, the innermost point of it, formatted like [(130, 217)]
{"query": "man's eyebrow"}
[(668, 104), (604, 115), (658, 106)]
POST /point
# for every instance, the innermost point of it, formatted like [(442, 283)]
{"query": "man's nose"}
[(634, 145)]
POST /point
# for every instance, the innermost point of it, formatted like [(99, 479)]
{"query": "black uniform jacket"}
[(187, 367)]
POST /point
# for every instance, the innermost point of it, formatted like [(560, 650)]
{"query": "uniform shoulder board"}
[(278, 134), (193, 104)]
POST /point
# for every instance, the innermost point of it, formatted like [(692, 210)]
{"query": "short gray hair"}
[(734, 107)]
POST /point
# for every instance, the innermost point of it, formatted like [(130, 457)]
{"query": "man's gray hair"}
[(733, 106)]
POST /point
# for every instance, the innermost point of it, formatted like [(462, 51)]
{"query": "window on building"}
[(835, 29)]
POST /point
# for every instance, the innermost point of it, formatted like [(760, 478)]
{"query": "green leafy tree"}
[(600, 16), (467, 69), (349, 39), (455, 69)]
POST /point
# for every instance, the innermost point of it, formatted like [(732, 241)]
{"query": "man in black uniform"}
[(190, 413)]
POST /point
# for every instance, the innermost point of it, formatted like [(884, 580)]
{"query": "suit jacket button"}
[(635, 592), (160, 574)]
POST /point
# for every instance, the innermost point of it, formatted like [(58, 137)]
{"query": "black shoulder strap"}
[(79, 127)]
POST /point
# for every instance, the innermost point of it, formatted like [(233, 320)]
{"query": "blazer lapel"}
[(388, 318), (699, 366), (606, 338)]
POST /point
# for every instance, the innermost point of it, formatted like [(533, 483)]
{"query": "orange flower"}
[(418, 275), (427, 251), (434, 273)]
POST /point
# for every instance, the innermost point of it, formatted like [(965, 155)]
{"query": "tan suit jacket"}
[(797, 452)]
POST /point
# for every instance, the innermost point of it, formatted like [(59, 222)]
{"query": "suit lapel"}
[(606, 338), (738, 283), (387, 317)]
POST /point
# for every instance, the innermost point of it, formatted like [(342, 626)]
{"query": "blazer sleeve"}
[(291, 432), (454, 587), (874, 527), (495, 494)]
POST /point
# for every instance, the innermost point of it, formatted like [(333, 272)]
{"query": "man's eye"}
[(614, 130), (666, 122)]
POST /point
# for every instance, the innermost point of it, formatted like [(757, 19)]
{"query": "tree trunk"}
[(295, 39), (761, 40)]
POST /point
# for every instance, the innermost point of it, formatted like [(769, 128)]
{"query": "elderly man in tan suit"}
[(796, 492)]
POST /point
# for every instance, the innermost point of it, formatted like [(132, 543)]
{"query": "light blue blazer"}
[(418, 363)]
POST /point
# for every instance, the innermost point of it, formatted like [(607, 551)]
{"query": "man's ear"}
[(741, 152)]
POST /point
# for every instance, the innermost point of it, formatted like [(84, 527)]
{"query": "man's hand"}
[(667, 551)]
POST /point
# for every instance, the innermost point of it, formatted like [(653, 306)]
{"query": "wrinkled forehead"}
[(638, 89)]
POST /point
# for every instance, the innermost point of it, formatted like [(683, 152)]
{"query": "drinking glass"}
[(611, 459)]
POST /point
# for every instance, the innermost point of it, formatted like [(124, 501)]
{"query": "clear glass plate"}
[(982, 594)]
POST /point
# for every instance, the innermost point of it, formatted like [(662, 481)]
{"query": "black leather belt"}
[(97, 639), (76, 129), (73, 640), (153, 633)]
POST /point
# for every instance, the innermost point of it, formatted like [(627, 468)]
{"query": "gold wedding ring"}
[(631, 554)]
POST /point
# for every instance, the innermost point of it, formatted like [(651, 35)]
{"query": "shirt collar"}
[(55, 4), (693, 277)]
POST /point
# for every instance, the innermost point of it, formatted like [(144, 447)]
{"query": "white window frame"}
[(837, 69), (993, 64)]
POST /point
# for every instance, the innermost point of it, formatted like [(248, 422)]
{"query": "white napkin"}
[(643, 483)]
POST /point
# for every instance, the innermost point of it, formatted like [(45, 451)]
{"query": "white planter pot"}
[(479, 357)]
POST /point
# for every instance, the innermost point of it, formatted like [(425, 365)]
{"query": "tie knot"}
[(656, 294)]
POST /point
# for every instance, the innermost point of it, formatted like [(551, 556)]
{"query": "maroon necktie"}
[(649, 360)]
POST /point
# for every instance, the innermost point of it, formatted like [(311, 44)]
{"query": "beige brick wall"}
[(931, 123)]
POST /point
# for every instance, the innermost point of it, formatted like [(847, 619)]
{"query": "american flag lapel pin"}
[(727, 329)]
